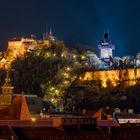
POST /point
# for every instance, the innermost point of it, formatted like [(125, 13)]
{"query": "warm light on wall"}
[(113, 77), (33, 119)]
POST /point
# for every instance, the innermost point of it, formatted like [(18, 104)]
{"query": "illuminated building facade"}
[(20, 45), (106, 48)]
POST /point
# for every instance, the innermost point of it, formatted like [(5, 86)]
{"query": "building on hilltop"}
[(21, 45), (106, 47), (18, 46), (48, 38)]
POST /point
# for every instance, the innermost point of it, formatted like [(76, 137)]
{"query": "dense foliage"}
[(37, 67)]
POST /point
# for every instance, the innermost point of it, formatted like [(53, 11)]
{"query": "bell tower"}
[(7, 88)]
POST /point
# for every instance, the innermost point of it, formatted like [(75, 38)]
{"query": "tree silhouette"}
[(36, 68)]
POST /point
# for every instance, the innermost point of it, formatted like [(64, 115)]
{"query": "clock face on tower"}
[(106, 48), (106, 52)]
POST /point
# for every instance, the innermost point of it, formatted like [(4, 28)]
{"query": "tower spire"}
[(7, 79), (7, 88), (50, 33)]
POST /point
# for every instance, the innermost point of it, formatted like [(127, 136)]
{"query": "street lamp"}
[(66, 75), (68, 68)]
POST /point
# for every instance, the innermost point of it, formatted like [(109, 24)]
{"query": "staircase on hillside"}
[(58, 87)]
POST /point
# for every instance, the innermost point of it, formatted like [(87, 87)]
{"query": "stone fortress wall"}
[(113, 77)]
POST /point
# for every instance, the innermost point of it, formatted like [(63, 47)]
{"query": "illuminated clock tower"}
[(106, 47)]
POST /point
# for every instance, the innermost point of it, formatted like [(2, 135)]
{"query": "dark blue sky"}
[(74, 21)]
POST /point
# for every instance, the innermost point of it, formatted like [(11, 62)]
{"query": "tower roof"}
[(7, 80), (106, 38), (106, 42), (7, 87)]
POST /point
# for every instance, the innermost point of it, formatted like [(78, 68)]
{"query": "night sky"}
[(74, 21)]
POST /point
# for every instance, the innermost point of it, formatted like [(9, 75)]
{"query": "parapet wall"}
[(113, 77)]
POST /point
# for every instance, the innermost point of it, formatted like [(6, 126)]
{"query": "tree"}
[(36, 68)]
